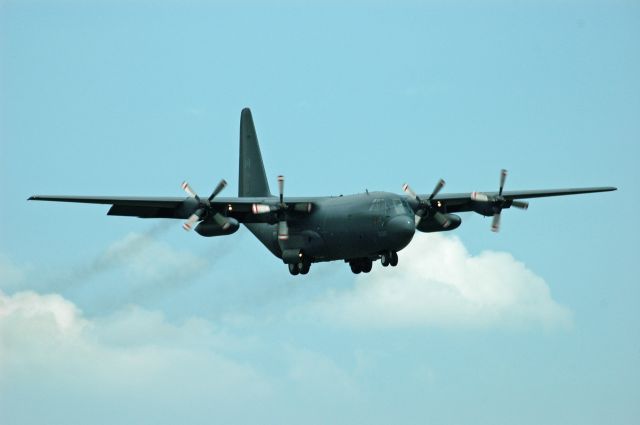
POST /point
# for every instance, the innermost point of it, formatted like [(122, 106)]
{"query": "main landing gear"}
[(360, 265), (389, 259), (363, 265), (302, 267)]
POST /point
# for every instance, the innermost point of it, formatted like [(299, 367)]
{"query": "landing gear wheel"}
[(366, 265), (385, 258), (394, 259), (304, 267), (293, 269), (355, 266)]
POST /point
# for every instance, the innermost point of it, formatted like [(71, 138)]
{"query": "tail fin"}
[(253, 179)]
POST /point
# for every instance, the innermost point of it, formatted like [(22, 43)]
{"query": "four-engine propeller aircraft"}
[(358, 229)]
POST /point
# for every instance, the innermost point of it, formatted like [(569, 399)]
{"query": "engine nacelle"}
[(484, 208), (427, 225), (211, 228)]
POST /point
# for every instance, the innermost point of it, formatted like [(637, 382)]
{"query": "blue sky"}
[(106, 319)]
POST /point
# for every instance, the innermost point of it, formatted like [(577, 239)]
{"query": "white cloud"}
[(78, 369), (50, 350), (438, 283), (310, 370)]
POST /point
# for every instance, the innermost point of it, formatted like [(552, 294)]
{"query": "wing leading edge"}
[(144, 207), (462, 202)]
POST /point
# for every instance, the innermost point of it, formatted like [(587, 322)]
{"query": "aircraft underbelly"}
[(352, 245), (329, 235), (349, 237)]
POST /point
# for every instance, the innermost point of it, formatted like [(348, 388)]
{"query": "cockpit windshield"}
[(390, 206)]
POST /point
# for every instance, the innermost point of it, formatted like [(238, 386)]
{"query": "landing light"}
[(439, 204), (230, 207)]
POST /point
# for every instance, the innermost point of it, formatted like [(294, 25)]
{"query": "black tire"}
[(394, 259), (366, 265), (384, 259), (304, 267), (293, 269), (355, 267)]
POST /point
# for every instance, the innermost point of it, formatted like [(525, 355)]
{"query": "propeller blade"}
[(479, 196), (495, 224), (407, 189), (185, 186), (503, 178), (441, 219), (260, 208), (187, 225), (437, 189), (281, 187), (283, 230), (218, 189), (520, 204)]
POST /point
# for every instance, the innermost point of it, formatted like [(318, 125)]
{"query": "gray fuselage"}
[(344, 227)]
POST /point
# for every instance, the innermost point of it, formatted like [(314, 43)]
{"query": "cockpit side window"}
[(398, 207), (407, 208)]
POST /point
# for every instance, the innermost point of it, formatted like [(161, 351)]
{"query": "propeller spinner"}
[(204, 207), (425, 208)]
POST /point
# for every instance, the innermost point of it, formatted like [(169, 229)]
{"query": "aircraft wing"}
[(461, 202), (175, 207)]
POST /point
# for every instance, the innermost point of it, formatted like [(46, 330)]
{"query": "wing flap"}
[(177, 208), (144, 212)]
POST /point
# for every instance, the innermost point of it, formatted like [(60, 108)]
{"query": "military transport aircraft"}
[(358, 229)]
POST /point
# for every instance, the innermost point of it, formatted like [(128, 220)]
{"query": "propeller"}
[(204, 207), (280, 209), (283, 228), (425, 208), (498, 202)]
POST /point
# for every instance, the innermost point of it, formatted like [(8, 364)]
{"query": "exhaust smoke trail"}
[(109, 259), (177, 273)]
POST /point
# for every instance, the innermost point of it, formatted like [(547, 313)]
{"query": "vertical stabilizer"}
[(253, 179)]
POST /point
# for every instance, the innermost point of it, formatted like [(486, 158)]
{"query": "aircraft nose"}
[(400, 231)]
